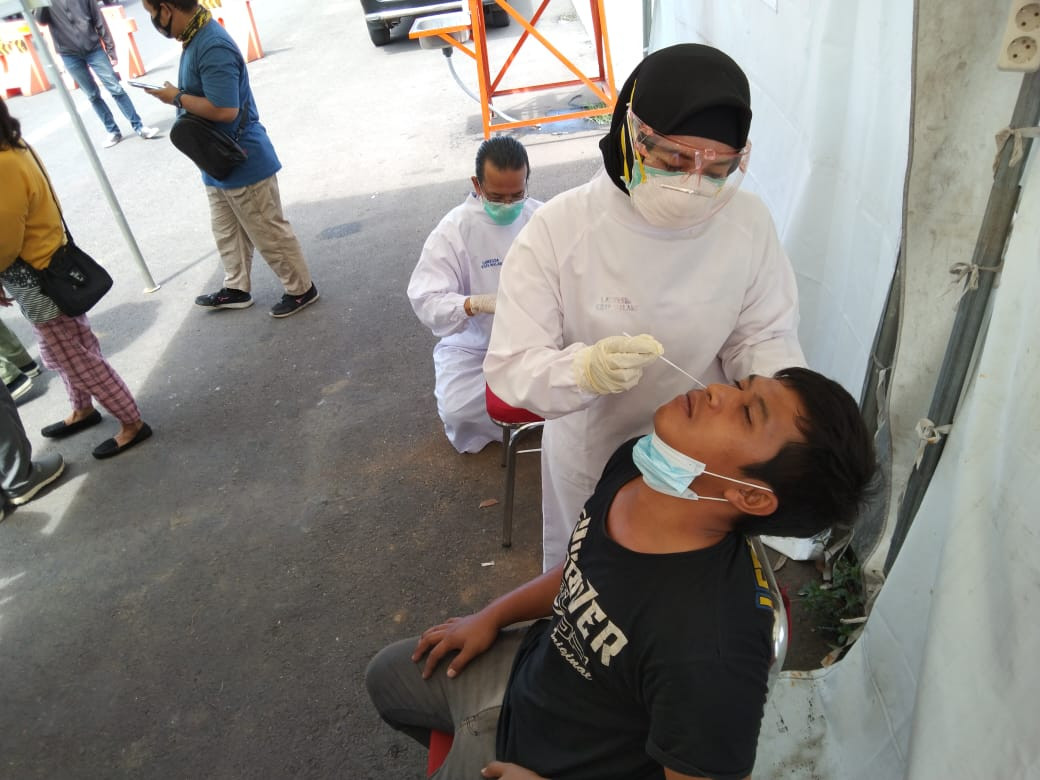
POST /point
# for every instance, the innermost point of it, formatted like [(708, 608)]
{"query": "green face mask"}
[(503, 213)]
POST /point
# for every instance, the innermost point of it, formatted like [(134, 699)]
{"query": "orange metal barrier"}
[(600, 83), (130, 63), (21, 71), (237, 18)]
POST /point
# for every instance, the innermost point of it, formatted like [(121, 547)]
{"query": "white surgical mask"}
[(669, 471), (665, 203)]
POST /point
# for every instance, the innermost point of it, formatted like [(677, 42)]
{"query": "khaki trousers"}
[(248, 217)]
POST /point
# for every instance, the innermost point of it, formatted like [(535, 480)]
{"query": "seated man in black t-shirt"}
[(654, 661)]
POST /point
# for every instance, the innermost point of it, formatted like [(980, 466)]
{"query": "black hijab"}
[(687, 89)]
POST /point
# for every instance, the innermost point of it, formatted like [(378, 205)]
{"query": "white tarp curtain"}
[(941, 682)]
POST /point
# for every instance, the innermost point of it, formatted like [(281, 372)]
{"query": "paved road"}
[(206, 605)]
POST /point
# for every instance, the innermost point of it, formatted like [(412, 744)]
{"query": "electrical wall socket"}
[(1020, 49)]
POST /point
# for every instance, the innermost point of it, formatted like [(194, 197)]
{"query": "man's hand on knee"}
[(470, 635)]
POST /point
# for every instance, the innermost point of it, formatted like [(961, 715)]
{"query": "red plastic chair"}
[(440, 744), (514, 422)]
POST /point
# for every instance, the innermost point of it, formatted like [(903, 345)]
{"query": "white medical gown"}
[(720, 297), (463, 256)]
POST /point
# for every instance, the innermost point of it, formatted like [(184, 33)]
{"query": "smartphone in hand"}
[(143, 85)]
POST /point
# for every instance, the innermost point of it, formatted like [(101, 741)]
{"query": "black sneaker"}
[(30, 368), (225, 298), (290, 304), (19, 386)]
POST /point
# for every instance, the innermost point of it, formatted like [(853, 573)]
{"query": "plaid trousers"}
[(69, 346)]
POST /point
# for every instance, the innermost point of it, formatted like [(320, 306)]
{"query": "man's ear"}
[(752, 500), (476, 185)]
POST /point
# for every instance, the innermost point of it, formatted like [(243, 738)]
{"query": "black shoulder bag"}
[(74, 280), (210, 148)]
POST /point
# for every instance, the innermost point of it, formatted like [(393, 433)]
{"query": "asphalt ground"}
[(205, 604)]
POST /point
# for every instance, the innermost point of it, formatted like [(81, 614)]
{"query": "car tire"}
[(380, 34), (495, 16)]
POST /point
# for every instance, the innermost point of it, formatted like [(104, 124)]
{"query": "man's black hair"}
[(505, 153), (10, 128), (825, 479)]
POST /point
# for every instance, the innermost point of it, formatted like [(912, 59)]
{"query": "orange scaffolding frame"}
[(601, 83)]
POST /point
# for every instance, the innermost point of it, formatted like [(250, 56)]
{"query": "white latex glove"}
[(615, 364), (482, 304)]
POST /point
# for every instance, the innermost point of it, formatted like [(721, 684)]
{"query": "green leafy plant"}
[(831, 602)]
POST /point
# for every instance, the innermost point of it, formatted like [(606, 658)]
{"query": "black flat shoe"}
[(109, 449), (60, 430)]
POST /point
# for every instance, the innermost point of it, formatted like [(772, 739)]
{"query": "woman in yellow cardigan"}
[(30, 232)]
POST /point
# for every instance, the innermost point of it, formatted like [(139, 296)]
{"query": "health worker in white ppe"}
[(453, 286), (661, 244)]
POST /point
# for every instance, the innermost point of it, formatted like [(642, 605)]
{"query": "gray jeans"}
[(467, 705), (15, 451)]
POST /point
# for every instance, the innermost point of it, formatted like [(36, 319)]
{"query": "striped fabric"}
[(23, 284)]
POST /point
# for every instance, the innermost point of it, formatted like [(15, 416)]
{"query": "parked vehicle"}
[(382, 16)]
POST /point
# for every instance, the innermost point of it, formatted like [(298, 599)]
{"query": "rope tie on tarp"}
[(1016, 134), (967, 274), (928, 433)]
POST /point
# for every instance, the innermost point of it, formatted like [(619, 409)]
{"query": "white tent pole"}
[(106, 187), (989, 253)]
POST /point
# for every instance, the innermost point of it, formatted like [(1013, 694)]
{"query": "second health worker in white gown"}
[(660, 243), (453, 286)]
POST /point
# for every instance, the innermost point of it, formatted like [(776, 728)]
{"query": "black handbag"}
[(74, 280), (210, 148)]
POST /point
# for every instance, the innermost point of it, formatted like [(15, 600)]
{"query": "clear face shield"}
[(692, 183)]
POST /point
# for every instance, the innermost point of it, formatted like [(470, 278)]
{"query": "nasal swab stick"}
[(668, 362)]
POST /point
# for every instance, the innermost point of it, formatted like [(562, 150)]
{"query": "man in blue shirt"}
[(245, 206)]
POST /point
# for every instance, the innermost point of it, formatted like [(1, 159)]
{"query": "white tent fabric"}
[(941, 682)]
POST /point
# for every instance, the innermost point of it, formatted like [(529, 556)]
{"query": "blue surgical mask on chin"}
[(503, 213), (669, 471)]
